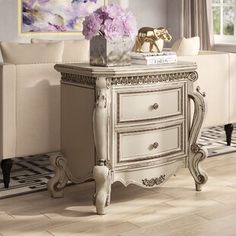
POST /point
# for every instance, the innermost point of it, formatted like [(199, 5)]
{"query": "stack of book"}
[(149, 58)]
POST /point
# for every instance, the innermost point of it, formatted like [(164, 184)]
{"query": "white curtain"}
[(197, 21)]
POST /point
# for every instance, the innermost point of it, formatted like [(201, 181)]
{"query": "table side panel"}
[(77, 141)]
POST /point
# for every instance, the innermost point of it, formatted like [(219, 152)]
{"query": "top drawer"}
[(144, 105)]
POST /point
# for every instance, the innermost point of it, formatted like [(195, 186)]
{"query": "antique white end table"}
[(130, 124)]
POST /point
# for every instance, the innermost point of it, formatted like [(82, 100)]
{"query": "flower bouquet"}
[(111, 31)]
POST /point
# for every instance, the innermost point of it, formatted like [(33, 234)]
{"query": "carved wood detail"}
[(150, 79), (130, 80), (58, 182), (62, 175), (78, 79), (101, 172), (154, 181), (196, 153), (102, 178)]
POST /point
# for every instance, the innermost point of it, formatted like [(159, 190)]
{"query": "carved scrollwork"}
[(102, 177), (198, 89), (58, 182), (197, 153), (195, 148), (108, 83), (193, 76), (201, 178), (154, 181), (78, 79), (61, 176), (200, 175), (149, 79), (101, 100), (129, 80)]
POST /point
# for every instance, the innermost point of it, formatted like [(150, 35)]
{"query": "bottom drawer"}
[(149, 143)]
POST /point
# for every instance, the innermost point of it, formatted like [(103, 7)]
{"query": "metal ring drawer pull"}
[(155, 106), (155, 145)]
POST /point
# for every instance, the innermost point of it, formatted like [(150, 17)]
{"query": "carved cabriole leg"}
[(6, 166), (101, 172), (58, 182), (196, 153), (102, 195)]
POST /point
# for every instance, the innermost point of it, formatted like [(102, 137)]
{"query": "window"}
[(224, 22)]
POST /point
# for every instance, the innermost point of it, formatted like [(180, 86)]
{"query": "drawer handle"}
[(155, 145), (155, 106)]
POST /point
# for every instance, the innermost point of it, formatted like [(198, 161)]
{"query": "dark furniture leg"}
[(228, 131), (6, 166)]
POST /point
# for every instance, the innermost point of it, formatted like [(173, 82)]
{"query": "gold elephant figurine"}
[(151, 35)]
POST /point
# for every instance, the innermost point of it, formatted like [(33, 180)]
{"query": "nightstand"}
[(131, 124)]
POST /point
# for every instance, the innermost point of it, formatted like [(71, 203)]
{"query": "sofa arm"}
[(232, 87), (7, 110), (213, 71)]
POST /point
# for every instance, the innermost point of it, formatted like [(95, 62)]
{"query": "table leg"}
[(196, 153), (102, 180), (58, 182), (101, 172)]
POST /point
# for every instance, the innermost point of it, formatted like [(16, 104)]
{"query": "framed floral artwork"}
[(54, 16)]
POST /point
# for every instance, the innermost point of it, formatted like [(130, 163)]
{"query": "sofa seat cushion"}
[(18, 53), (75, 51)]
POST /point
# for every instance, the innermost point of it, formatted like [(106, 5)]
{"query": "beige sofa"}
[(30, 100), (217, 78)]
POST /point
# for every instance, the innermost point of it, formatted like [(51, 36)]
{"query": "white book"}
[(147, 55), (155, 60), (160, 57)]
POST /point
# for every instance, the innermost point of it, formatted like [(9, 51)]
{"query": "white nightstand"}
[(138, 118)]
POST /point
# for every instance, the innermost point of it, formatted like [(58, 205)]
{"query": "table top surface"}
[(86, 69)]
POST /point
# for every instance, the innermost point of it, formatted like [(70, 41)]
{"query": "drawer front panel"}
[(148, 105), (150, 143)]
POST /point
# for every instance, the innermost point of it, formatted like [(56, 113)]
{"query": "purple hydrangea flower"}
[(91, 26), (30, 3), (113, 28), (83, 1), (130, 25), (111, 21)]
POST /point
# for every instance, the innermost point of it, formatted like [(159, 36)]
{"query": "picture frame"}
[(62, 17)]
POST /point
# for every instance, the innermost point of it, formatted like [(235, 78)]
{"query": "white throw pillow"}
[(187, 46), (75, 51), (18, 53)]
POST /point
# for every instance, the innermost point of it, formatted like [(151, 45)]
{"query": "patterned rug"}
[(28, 174), (31, 174), (214, 140)]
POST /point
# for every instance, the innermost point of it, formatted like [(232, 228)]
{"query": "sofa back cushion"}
[(75, 51), (18, 53), (187, 46)]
